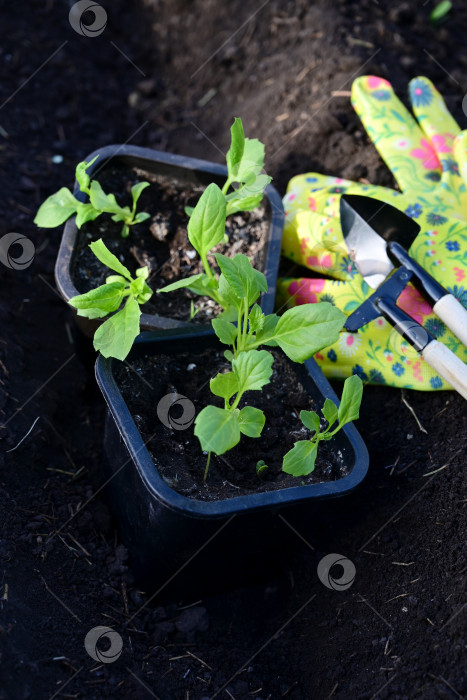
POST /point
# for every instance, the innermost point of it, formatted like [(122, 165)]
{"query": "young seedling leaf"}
[(256, 318), (99, 302), (261, 467), (189, 211), (217, 429), (246, 282), (251, 421), (142, 216), (252, 160), (102, 201), (225, 331), (136, 191), (244, 204), (206, 226), (197, 283), (237, 146), (224, 385), (300, 460), (228, 295), (253, 369), (81, 175), (116, 335), (145, 294), (329, 411), (440, 11), (266, 333), (103, 254), (310, 420), (84, 213), (350, 400), (56, 209), (116, 278), (306, 329)]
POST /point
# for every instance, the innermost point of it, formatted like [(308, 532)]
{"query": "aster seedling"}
[(299, 332), (60, 206), (119, 298), (245, 184), (242, 191), (300, 460)]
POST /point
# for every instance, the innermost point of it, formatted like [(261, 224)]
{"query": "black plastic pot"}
[(200, 547), (184, 170)]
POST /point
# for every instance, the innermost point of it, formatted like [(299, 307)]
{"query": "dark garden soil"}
[(173, 76), (177, 454), (161, 243)]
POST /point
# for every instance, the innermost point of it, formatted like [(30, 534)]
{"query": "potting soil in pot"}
[(177, 453), (161, 242)]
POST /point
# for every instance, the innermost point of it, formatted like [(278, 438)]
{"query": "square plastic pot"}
[(184, 170), (186, 548)]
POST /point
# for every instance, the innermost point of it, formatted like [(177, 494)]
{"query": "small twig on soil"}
[(333, 690), (78, 544), (401, 595), (406, 403), (23, 438), (402, 563), (404, 469), (191, 605), (443, 680), (341, 93), (444, 465), (203, 663)]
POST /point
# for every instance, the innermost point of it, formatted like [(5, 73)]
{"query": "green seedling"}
[(193, 310), (261, 467), (300, 460), (440, 11), (206, 227), (299, 332), (60, 206), (115, 336), (245, 161)]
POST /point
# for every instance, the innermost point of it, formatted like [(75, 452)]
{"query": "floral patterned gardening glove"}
[(428, 158)]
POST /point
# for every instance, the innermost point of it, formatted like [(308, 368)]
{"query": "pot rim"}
[(160, 490)]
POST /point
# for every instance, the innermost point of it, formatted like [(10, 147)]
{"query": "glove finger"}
[(300, 190), (395, 134), (441, 248), (309, 192), (316, 242), (460, 154), (327, 201), (437, 123)]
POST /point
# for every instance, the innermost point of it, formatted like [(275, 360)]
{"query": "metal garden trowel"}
[(368, 226)]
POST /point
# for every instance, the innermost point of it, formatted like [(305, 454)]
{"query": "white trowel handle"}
[(453, 314), (448, 365)]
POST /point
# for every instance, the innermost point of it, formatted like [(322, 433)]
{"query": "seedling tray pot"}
[(184, 170), (187, 548)]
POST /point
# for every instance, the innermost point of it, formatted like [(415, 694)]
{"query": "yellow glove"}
[(430, 163)]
